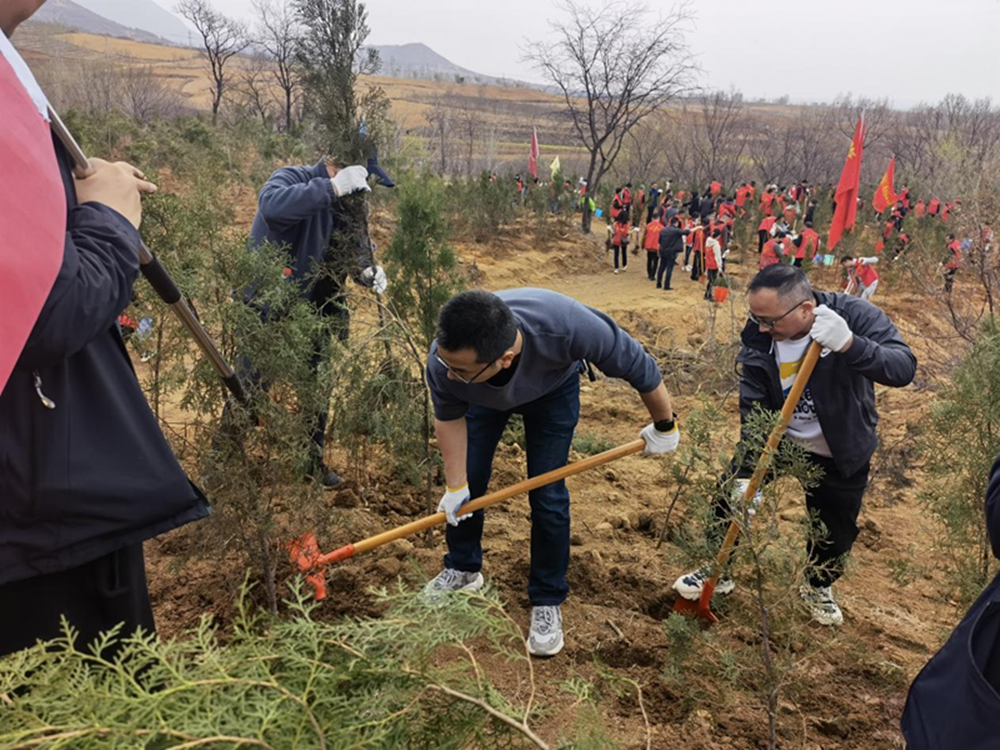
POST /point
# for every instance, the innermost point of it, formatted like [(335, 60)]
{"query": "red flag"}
[(885, 194), (533, 154), (846, 195), (32, 217)]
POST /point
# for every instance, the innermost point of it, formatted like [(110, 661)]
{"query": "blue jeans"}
[(549, 423)]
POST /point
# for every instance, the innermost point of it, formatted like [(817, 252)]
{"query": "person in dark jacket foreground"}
[(834, 420), (954, 702), (303, 209), (85, 472), (520, 351)]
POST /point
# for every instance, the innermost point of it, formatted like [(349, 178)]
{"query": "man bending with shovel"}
[(834, 420), (522, 351)]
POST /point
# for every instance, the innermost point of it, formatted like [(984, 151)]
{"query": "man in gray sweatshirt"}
[(521, 351)]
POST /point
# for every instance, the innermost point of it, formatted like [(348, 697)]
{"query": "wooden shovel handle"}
[(791, 401), (485, 501)]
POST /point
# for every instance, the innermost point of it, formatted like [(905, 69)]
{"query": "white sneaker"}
[(690, 585), (616, 272), (545, 638), (450, 580), (820, 603)]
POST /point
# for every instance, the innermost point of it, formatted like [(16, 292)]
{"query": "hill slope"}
[(75, 16)]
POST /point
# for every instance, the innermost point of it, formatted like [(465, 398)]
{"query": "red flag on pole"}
[(885, 193), (533, 154), (846, 195), (32, 217)]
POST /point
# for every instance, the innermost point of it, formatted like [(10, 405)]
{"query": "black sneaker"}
[(329, 479)]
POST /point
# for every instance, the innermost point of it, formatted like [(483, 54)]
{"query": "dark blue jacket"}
[(842, 384), (672, 239), (295, 208), (954, 702), (95, 473)]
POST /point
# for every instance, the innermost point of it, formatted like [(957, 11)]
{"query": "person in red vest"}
[(952, 262), (764, 230), (905, 197), (810, 242), (751, 191), (651, 243), (627, 197), (767, 202), (933, 207), (640, 203), (713, 261), (697, 239), (715, 188), (742, 193), (620, 241), (863, 273), (948, 208), (727, 208), (771, 253), (920, 209), (616, 205)]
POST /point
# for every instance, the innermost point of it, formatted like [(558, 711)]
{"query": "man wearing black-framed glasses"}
[(834, 420), (521, 351)]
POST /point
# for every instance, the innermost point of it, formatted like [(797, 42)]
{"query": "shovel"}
[(305, 550), (702, 608)]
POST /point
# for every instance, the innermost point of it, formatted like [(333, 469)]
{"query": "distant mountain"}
[(75, 16), (141, 14), (420, 61)]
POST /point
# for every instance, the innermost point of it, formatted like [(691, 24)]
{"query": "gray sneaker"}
[(449, 580), (545, 638), (819, 601), (690, 585)]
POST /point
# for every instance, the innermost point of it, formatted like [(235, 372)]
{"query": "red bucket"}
[(721, 293)]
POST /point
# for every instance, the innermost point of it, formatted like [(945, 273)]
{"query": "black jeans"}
[(652, 259), (667, 262), (949, 279), (623, 250), (549, 423), (94, 597), (761, 239), (833, 505), (712, 274)]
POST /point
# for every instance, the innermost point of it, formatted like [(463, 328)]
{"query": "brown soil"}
[(619, 580)]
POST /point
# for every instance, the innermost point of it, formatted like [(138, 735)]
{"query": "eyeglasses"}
[(458, 377), (770, 324)]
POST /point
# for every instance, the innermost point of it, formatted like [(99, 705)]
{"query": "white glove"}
[(658, 443), (373, 277), (830, 330), (452, 501), (739, 490), (350, 180)]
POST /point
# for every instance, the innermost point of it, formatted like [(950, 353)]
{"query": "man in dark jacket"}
[(85, 472), (671, 243), (955, 700), (304, 209), (834, 421)]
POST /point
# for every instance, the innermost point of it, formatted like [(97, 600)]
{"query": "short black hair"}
[(846, 258), (477, 320), (787, 281)]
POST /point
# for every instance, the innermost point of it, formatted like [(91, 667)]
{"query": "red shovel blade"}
[(305, 555), (702, 609)]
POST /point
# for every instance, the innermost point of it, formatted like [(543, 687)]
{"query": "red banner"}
[(846, 195), (885, 194)]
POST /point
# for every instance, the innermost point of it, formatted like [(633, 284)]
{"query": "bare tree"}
[(143, 95), (614, 69), (276, 32), (222, 39), (439, 118), (253, 86)]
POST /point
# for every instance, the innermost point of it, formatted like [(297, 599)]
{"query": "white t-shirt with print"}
[(804, 427)]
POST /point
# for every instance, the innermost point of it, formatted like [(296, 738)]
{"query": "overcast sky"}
[(908, 50)]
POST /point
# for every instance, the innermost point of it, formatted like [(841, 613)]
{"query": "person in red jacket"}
[(727, 208), (713, 261), (764, 230), (697, 237), (810, 241), (741, 197), (652, 244), (771, 253), (715, 188), (863, 274), (952, 262), (619, 239), (767, 202), (919, 209), (933, 206)]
